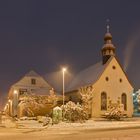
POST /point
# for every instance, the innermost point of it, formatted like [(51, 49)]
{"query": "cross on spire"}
[(107, 27)]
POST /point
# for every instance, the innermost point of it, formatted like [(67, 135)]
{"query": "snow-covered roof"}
[(88, 76), (85, 77), (32, 74)]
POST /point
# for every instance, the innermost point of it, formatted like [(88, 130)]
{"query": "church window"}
[(113, 67), (107, 79), (124, 101), (120, 80), (33, 81), (103, 101)]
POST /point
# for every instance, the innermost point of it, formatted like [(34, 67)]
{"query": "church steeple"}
[(108, 49)]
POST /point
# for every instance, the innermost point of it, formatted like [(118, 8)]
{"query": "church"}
[(109, 81)]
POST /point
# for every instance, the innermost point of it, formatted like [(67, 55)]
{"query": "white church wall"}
[(113, 82)]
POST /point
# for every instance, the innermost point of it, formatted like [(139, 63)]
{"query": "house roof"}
[(88, 76), (32, 74), (41, 91), (27, 85)]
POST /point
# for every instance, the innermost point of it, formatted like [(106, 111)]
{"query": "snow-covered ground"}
[(91, 130), (89, 124)]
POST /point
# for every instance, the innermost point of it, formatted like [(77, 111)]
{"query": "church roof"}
[(88, 76)]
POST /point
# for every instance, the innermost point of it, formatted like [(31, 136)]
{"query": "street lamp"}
[(15, 102), (63, 71), (15, 91), (9, 102)]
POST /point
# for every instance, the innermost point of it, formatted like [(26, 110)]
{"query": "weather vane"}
[(107, 21)]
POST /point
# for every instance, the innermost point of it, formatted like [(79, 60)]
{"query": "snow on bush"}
[(86, 97), (115, 112), (33, 105), (44, 120), (74, 112), (47, 121), (9, 123)]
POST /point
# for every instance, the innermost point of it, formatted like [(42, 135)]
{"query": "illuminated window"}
[(33, 81), (103, 101), (22, 91), (124, 101)]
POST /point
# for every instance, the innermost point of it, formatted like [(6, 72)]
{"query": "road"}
[(50, 134)]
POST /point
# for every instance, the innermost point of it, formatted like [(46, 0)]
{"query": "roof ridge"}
[(32, 73)]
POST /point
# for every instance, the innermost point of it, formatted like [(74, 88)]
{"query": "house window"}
[(33, 81), (124, 100), (103, 101), (22, 91), (113, 67)]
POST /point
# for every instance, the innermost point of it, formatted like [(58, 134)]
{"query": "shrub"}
[(74, 112)]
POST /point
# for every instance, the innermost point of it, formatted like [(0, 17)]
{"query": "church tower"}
[(108, 49)]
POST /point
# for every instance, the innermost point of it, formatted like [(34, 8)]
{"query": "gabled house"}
[(31, 84)]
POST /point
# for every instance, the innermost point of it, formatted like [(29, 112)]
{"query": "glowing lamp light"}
[(15, 91), (64, 69)]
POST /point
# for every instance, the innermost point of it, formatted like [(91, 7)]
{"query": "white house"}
[(31, 84)]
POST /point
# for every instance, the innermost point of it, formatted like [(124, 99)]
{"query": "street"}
[(51, 134)]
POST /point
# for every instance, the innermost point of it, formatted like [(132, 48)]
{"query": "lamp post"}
[(15, 102), (9, 102), (63, 72)]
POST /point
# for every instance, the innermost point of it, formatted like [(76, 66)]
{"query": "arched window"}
[(124, 101), (103, 101)]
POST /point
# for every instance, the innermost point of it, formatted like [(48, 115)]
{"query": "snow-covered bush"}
[(114, 113), (74, 112), (40, 119), (44, 120), (47, 121), (32, 105), (10, 123), (86, 97)]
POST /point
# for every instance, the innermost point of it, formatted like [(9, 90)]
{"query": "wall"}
[(114, 89)]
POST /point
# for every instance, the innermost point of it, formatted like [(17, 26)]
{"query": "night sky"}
[(43, 35)]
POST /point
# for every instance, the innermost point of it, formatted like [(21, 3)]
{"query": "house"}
[(31, 84), (110, 83)]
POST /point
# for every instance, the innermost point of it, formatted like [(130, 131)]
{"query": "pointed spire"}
[(108, 35), (107, 27), (108, 49)]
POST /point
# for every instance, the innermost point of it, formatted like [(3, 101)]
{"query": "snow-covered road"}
[(37, 134), (91, 130)]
